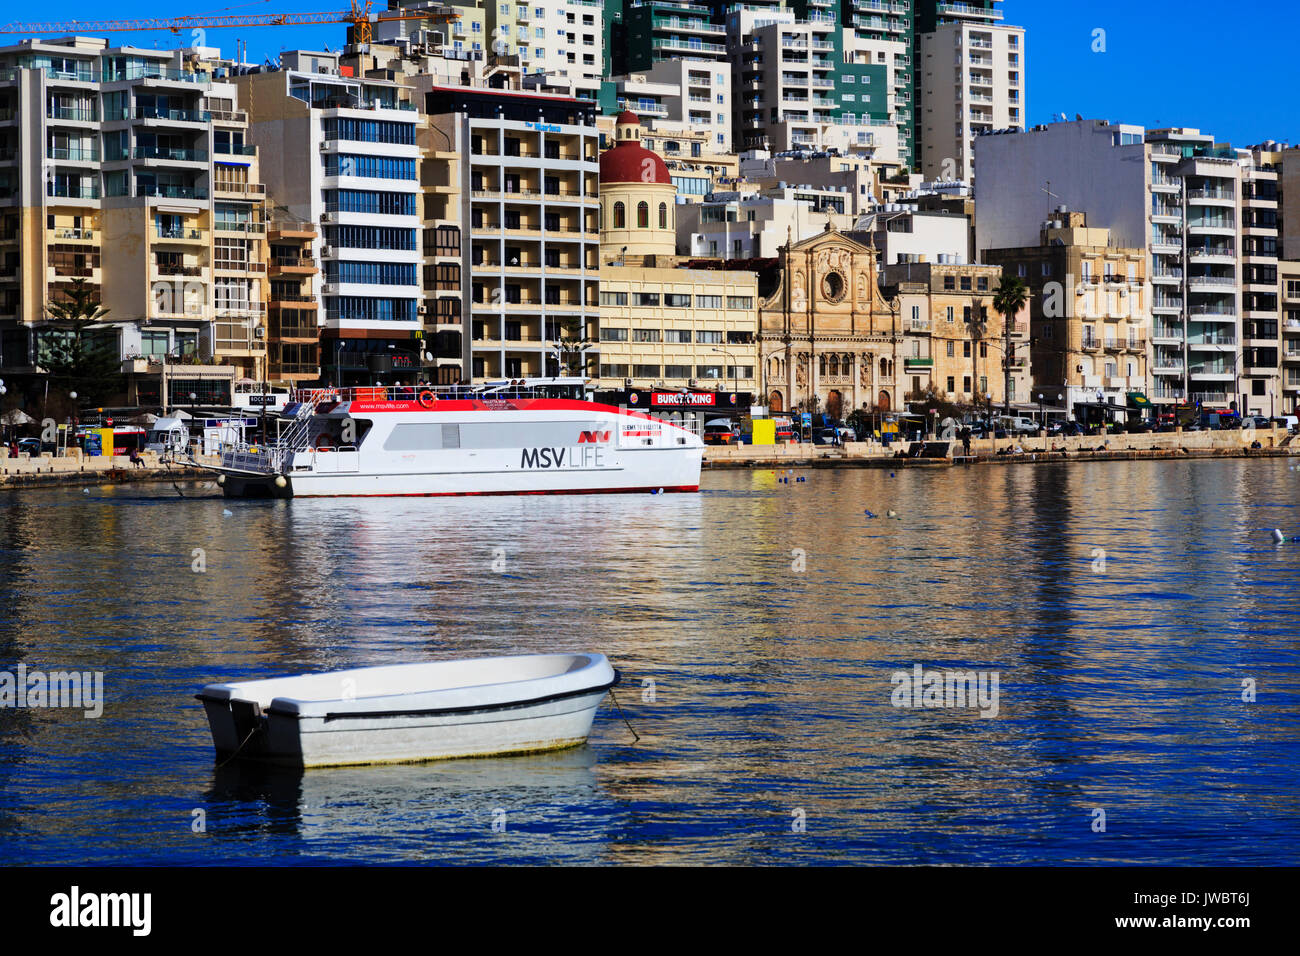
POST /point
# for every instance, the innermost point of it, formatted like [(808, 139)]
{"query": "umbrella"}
[(16, 416)]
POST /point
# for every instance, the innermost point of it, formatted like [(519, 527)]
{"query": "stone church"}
[(828, 332)]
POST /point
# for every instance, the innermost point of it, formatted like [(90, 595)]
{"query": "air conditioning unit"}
[(326, 251), (324, 217), (324, 145), (421, 310), (627, 383), (260, 332)]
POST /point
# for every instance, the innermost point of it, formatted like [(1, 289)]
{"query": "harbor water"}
[(1142, 626)]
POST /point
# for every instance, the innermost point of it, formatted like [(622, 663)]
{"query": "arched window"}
[(835, 366), (620, 216), (663, 215), (821, 365), (643, 215)]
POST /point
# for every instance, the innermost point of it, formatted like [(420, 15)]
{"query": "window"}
[(916, 313), (677, 371), (949, 283), (984, 350), (643, 215), (740, 302), (1047, 269), (620, 216), (675, 300), (965, 350), (614, 298), (951, 383), (613, 335), (678, 336), (950, 318), (708, 338), (982, 284), (708, 302), (613, 371), (965, 383), (645, 298), (965, 283), (646, 335), (663, 215), (951, 350)]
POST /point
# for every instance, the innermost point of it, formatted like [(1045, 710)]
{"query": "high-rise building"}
[(341, 152), (525, 206), (1182, 197), (129, 170)]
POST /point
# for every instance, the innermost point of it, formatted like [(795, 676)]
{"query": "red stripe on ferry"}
[(472, 494)]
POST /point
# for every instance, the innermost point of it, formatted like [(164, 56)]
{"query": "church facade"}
[(829, 341)]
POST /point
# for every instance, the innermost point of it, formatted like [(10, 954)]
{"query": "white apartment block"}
[(732, 226), (681, 94), (558, 43), (1203, 213), (341, 152), (902, 233), (971, 82)]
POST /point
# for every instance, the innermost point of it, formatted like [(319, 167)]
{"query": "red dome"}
[(625, 161)]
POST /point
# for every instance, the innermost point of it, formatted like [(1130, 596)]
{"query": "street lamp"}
[(338, 364), (734, 370), (1042, 414)]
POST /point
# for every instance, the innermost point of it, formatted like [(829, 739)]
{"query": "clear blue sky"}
[(1227, 67)]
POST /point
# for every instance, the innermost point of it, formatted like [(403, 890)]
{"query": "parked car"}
[(1213, 421), (1289, 422), (1064, 429), (34, 446), (1018, 425), (720, 434)]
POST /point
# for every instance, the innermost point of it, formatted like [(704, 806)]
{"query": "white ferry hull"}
[(464, 448)]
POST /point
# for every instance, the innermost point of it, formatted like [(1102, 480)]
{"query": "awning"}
[(1138, 400)]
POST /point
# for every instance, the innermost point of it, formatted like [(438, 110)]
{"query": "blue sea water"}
[(758, 625)]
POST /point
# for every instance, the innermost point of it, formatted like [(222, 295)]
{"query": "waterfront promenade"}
[(1156, 445), (74, 467)]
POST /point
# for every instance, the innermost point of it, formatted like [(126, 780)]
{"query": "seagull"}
[(1278, 536)]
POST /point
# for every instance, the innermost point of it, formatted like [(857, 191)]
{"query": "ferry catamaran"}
[(544, 436)]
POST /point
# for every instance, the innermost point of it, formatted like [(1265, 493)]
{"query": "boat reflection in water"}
[(425, 809)]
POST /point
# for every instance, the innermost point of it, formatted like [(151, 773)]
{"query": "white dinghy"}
[(411, 712)]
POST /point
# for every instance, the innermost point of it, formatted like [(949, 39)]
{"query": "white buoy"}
[(226, 514), (221, 479), (85, 491), (1278, 536), (279, 481)]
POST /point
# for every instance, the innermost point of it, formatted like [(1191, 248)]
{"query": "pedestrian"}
[(965, 440), (136, 460)]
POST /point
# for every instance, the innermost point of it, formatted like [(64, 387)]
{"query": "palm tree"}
[(976, 322), (1008, 299)]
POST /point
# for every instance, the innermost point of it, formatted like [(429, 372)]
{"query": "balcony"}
[(74, 114), (179, 235), (240, 189), (171, 116), (292, 265), (171, 192), (66, 233), (57, 190), (73, 154), (171, 155)]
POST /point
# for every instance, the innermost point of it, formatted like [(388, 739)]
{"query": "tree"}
[(1008, 299), (72, 355)]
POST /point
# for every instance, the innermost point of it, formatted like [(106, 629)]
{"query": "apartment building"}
[(128, 169), (1288, 281), (340, 151), (1090, 314), (952, 339), (971, 74), (903, 233), (735, 225), (525, 205), (553, 41), (882, 34), (689, 96), (654, 30), (1262, 384), (1179, 195), (854, 176), (293, 308)]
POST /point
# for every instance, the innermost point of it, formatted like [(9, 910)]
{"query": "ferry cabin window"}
[(431, 436)]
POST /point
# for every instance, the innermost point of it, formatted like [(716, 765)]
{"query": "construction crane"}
[(359, 16)]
